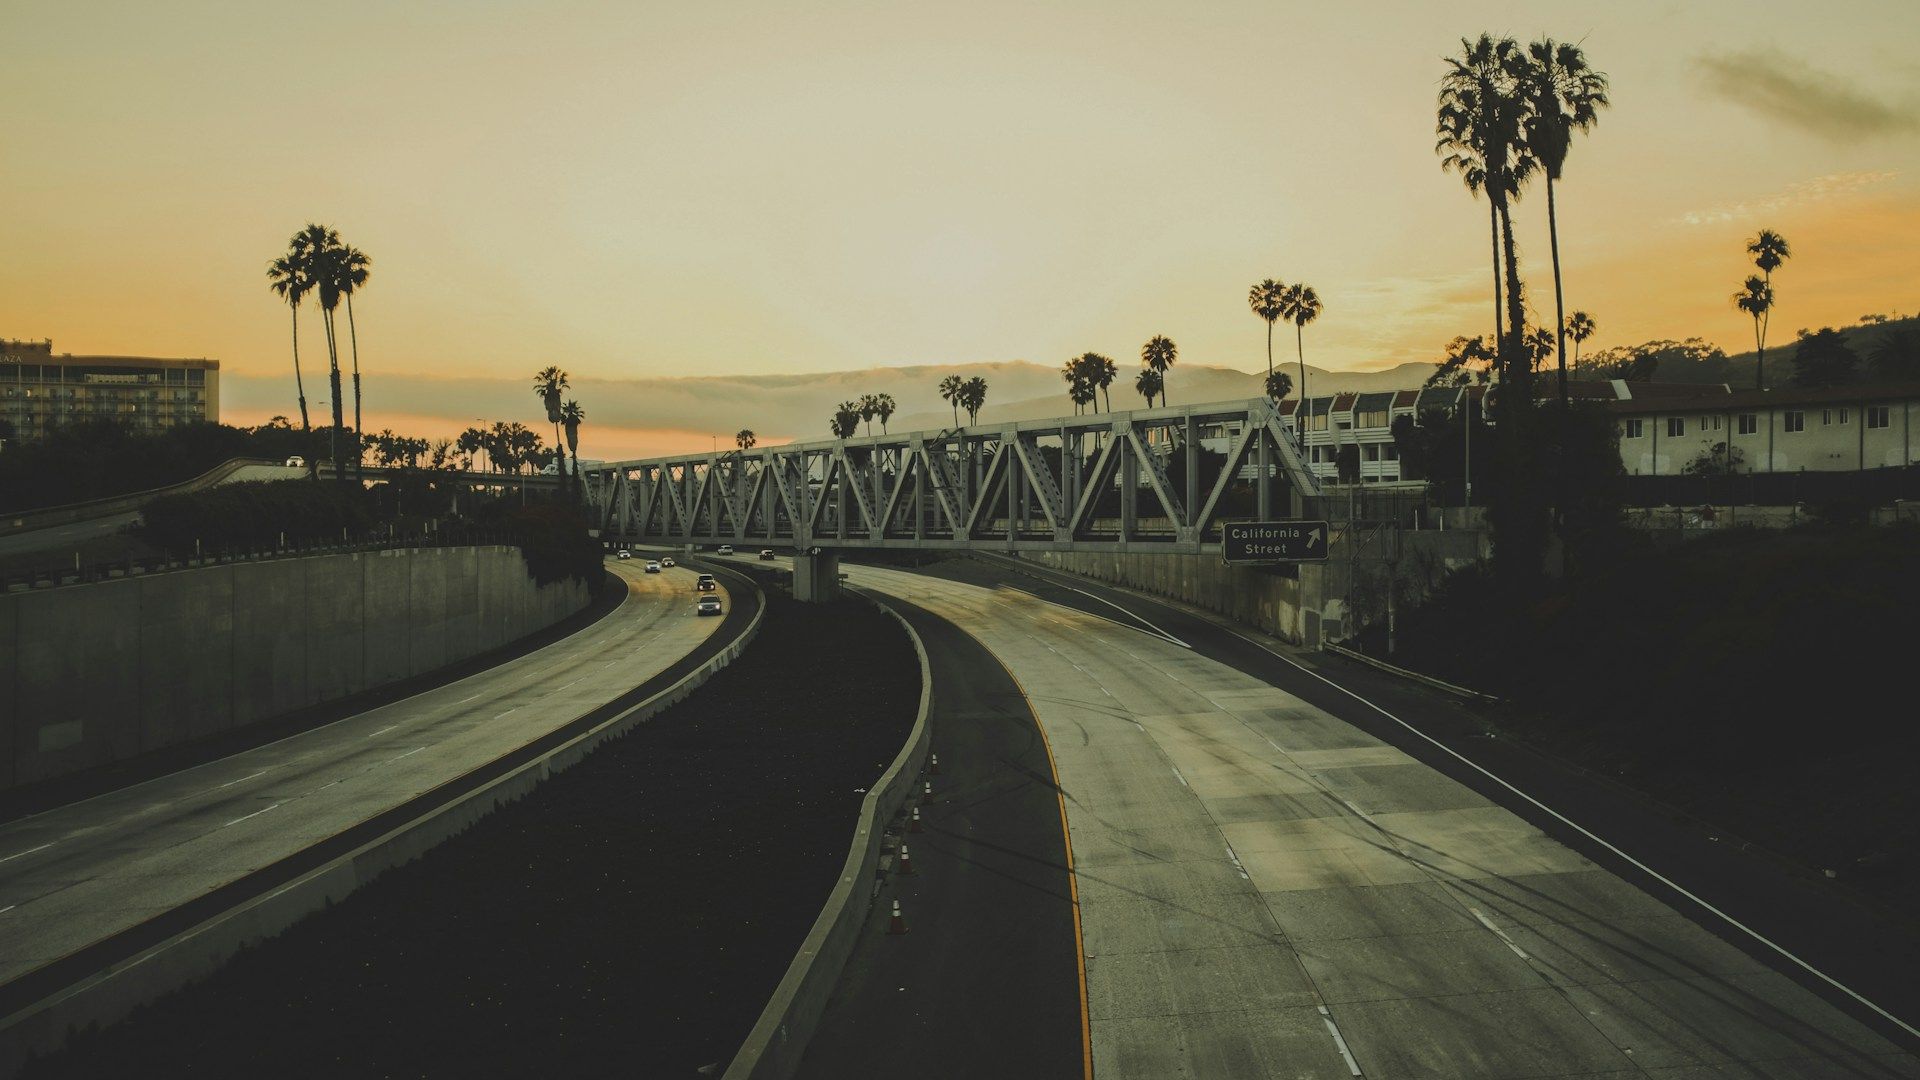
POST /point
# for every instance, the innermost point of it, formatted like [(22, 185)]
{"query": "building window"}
[(1676, 426), (1876, 416), (1393, 452), (1373, 419), (1373, 452), (1826, 417), (1794, 421), (1636, 428), (1749, 423), (1846, 416)]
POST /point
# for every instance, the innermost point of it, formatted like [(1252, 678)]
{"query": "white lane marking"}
[(1499, 933), (1590, 835), (1235, 858), (1182, 779), (9, 907), (255, 814), (1141, 726), (29, 851), (242, 780), (390, 727), (1333, 1029), (508, 713), (1357, 812), (409, 753), (464, 700)]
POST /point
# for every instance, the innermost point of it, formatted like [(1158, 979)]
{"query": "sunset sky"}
[(638, 190)]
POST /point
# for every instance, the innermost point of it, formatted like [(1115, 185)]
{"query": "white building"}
[(1828, 429)]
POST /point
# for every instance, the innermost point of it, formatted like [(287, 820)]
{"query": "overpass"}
[(1100, 482)]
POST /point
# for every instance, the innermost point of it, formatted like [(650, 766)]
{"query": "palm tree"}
[(950, 390), (883, 408), (1101, 371), (1480, 122), (317, 248), (288, 280), (1074, 374), (571, 415), (1564, 96), (1756, 299), (354, 273), (1159, 353), (1149, 383), (1279, 385), (744, 439), (973, 398), (1264, 299), (846, 420), (548, 382), (1580, 326), (1769, 250), (1300, 305)]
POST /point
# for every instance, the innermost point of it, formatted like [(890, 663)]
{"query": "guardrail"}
[(778, 1040), (82, 573)]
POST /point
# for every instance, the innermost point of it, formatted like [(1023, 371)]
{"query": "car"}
[(766, 554), (624, 554), (296, 462), (725, 549), (708, 605), (653, 566), (666, 560), (705, 583)]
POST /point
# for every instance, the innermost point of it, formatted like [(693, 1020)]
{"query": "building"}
[(40, 391), (1664, 428)]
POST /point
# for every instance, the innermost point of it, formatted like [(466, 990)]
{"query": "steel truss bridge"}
[(1100, 482)]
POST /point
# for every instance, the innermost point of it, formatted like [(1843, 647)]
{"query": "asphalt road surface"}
[(80, 874), (1268, 889)]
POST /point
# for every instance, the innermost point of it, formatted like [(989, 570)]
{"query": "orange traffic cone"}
[(926, 792), (898, 925), (933, 766), (914, 824), (906, 860)]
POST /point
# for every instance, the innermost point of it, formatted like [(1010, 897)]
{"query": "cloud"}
[(1820, 189), (1778, 87)]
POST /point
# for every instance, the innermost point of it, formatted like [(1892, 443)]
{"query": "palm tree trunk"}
[(339, 409), (353, 336), (1523, 511), (1300, 350), (1760, 354), (1269, 348), (1493, 220), (300, 387), (1559, 305)]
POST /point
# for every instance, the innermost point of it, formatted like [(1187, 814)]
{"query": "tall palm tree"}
[(1149, 383), (354, 270), (950, 391), (1159, 353), (973, 397), (1264, 299), (1300, 305), (745, 439), (571, 416), (1769, 250), (548, 382), (1756, 299), (317, 248), (288, 280), (1074, 374), (1480, 122), (1580, 326), (869, 407), (1101, 371), (1564, 95), (883, 408)]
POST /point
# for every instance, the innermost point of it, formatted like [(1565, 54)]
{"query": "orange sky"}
[(634, 190)]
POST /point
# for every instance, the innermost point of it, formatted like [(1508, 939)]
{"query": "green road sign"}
[(1273, 541)]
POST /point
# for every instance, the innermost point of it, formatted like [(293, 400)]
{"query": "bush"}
[(552, 537), (255, 515)]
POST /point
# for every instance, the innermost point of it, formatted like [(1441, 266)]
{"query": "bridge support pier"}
[(816, 577)]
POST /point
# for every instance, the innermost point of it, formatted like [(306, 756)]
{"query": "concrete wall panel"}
[(388, 586), (269, 638), (336, 622), (186, 655)]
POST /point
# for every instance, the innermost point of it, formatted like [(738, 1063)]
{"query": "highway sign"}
[(1273, 541)]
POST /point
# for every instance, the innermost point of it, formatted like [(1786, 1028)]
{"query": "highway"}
[(79, 875), (1266, 889)]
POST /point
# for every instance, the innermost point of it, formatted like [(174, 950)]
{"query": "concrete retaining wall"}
[(93, 674)]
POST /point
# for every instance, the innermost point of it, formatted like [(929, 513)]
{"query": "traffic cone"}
[(933, 765), (906, 860), (914, 825), (898, 925), (926, 793)]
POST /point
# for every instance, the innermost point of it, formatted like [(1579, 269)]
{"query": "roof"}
[(1404, 399), (1781, 397), (1374, 402)]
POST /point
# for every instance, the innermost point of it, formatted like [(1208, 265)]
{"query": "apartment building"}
[(40, 391), (1824, 429)]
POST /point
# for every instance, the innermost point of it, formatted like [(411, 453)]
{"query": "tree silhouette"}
[(973, 398), (1159, 354), (1564, 95), (950, 391), (1580, 326), (1300, 305), (745, 439), (1149, 383), (288, 279), (1265, 299), (1756, 299), (1769, 249), (1279, 385)]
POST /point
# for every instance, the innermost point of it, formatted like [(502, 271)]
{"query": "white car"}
[(708, 605), (666, 560), (653, 567), (624, 554), (296, 462), (766, 554), (725, 549)]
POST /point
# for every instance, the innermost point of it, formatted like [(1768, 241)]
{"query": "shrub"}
[(255, 515)]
